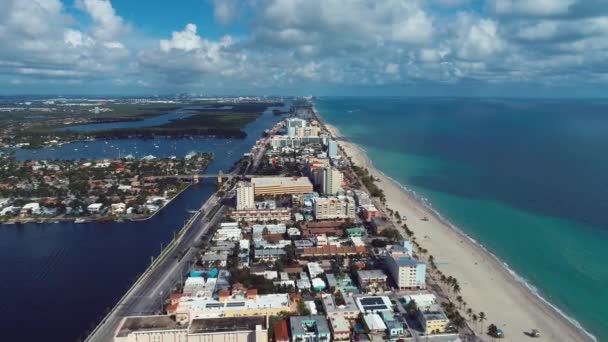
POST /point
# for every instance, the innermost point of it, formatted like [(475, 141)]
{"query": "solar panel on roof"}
[(371, 300), (235, 304), (213, 305)]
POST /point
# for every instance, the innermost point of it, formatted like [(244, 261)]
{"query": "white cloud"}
[(107, 24), (532, 7), (76, 38), (539, 31), (186, 40), (392, 69), (225, 11), (478, 39)]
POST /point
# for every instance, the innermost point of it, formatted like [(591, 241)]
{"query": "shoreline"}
[(518, 307), (53, 220)]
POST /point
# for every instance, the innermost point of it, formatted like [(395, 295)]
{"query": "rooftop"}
[(371, 274), (374, 322), (300, 324), (199, 326), (271, 181), (339, 324), (373, 303), (147, 323)]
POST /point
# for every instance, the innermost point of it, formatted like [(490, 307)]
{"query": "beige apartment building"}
[(245, 196), (328, 208), (332, 180)]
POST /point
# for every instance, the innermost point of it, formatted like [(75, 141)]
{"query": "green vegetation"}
[(37, 129), (392, 234), (263, 285), (368, 182)]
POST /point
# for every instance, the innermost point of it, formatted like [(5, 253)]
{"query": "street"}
[(147, 296)]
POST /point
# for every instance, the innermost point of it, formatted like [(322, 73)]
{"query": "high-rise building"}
[(332, 180), (407, 272), (295, 127), (245, 196), (332, 148)]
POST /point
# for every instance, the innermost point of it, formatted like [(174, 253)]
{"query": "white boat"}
[(80, 220)]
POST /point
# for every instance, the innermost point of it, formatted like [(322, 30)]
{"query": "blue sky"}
[(544, 48)]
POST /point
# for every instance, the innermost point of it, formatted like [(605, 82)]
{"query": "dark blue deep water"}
[(58, 280)]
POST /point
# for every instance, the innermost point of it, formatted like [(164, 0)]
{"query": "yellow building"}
[(430, 315), (281, 185)]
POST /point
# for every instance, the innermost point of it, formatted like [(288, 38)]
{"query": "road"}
[(148, 293)]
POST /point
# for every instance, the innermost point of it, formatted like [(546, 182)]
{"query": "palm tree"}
[(459, 300), (469, 312), (482, 317), (474, 319)]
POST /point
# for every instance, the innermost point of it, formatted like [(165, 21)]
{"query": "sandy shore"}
[(486, 285)]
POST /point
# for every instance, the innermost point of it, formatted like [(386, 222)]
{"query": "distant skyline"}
[(512, 48)]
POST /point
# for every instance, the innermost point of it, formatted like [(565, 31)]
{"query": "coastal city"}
[(300, 246), (303, 170)]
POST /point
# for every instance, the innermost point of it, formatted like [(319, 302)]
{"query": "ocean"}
[(526, 178)]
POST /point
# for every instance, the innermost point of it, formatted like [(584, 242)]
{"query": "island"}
[(31, 124), (86, 190)]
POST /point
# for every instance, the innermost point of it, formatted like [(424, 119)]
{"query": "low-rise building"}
[(95, 208), (369, 212), (340, 329), (329, 251), (233, 306), (312, 328), (260, 229), (394, 328), (268, 254), (374, 323), (118, 208), (430, 314), (228, 234), (281, 331), (166, 329), (374, 304), (342, 306), (262, 215), (314, 269), (372, 280)]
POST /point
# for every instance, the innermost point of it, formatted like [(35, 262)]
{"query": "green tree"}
[(411, 308), (482, 317), (493, 331)]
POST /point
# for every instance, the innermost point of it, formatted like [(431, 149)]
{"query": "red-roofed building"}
[(281, 333), (252, 293)]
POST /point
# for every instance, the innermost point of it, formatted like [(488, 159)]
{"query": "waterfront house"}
[(95, 208)]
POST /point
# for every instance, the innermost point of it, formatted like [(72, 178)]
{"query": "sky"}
[(514, 48)]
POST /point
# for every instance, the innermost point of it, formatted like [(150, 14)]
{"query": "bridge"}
[(193, 177)]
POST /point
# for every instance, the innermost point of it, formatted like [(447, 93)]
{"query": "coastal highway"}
[(150, 290)]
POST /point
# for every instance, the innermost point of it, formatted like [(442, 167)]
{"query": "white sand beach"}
[(486, 285)]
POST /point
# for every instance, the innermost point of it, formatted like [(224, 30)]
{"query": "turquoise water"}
[(526, 178)]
